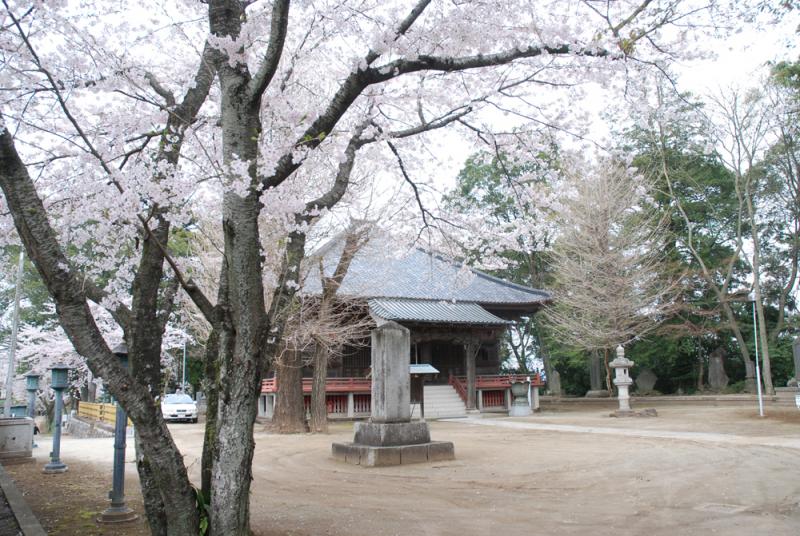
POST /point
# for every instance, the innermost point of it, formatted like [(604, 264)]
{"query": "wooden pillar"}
[(470, 354)]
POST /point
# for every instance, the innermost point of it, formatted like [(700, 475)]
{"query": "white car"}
[(179, 407)]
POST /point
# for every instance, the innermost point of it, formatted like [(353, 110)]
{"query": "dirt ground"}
[(691, 470)]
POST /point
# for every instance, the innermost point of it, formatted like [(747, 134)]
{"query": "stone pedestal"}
[(389, 437), (519, 406), (16, 439), (622, 380)]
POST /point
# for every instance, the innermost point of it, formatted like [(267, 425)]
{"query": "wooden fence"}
[(99, 412)]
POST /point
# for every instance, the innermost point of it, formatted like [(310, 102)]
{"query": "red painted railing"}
[(332, 385), (460, 388), (486, 383), (362, 403), (494, 399)]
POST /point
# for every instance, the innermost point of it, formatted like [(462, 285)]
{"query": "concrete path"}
[(703, 437)]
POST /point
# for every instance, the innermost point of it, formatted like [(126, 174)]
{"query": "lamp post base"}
[(117, 514), (53, 468)]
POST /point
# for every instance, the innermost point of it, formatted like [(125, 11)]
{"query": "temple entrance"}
[(446, 357)]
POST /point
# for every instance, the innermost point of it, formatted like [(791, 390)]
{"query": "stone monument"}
[(389, 437), (717, 379), (795, 382), (646, 381), (597, 376)]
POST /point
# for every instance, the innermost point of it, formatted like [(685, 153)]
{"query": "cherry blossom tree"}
[(122, 123)]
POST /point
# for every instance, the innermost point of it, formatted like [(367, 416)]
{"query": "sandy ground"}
[(692, 470)]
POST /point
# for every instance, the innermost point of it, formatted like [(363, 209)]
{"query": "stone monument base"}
[(519, 411), (379, 444), (394, 434), (117, 514), (371, 456), (649, 412), (599, 393)]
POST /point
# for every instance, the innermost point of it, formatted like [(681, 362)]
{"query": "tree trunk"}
[(609, 383), (289, 416), (319, 402), (240, 371), (749, 365), (69, 295), (701, 370)]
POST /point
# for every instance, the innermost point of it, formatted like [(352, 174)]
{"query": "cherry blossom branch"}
[(183, 115), (360, 79), (277, 38)]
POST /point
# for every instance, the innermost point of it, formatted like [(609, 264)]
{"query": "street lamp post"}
[(58, 383), (118, 511), (32, 386), (758, 368)]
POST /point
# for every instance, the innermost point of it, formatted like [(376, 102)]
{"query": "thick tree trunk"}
[(211, 392), (701, 370), (144, 337), (609, 383), (239, 372), (319, 402), (289, 417)]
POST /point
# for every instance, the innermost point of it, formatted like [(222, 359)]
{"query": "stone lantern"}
[(118, 511), (622, 380), (58, 383), (32, 386)]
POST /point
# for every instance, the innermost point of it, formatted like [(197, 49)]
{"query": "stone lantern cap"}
[(59, 380), (621, 361), (32, 381)]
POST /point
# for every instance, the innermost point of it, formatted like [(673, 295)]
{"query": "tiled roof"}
[(405, 310), (376, 273)]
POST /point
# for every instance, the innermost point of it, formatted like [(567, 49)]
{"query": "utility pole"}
[(12, 345), (183, 379)]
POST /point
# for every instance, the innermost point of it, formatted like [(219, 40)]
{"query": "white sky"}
[(739, 61)]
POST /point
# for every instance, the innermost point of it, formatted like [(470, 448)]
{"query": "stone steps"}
[(442, 401)]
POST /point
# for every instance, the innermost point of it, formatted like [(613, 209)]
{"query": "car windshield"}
[(178, 399)]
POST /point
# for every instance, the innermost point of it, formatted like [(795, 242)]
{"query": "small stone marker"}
[(390, 437), (646, 381), (717, 379)]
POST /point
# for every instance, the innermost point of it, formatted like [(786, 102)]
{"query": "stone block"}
[(16, 438), (339, 451), (391, 434), (519, 411), (380, 456), (439, 451), (368, 456), (414, 453)]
